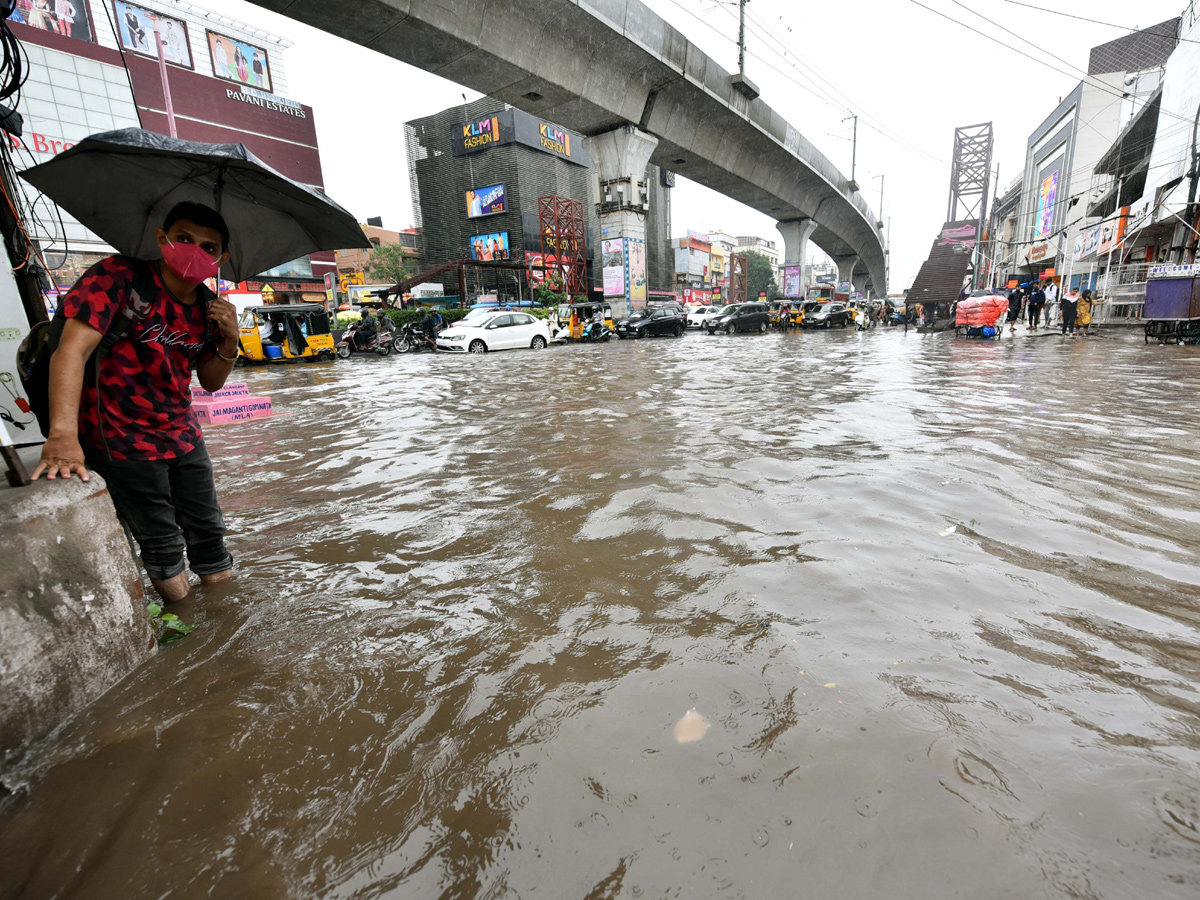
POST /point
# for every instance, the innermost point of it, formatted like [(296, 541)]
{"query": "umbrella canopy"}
[(121, 185)]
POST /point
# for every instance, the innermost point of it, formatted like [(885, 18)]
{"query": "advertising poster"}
[(637, 273), (490, 247), (613, 257), (1077, 252), (1092, 241), (1045, 208), (791, 281), (486, 201), (1107, 238), (68, 19), (137, 25), (239, 62)]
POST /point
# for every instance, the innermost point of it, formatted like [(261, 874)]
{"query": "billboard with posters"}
[(490, 247), (1107, 238), (637, 273), (486, 201), (613, 258), (239, 62), (71, 20), (791, 281), (136, 26), (1091, 241)]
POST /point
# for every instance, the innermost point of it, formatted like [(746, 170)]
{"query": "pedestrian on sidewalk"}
[(133, 421), (1014, 309), (1083, 313), (1037, 300), (1052, 294), (1069, 308)]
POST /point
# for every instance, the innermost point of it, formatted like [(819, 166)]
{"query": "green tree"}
[(387, 264), (761, 277)]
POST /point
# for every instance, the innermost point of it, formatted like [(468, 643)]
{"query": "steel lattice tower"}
[(970, 176), (562, 228)]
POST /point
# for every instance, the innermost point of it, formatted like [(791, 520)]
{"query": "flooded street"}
[(935, 604)]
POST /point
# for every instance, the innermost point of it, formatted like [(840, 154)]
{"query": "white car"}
[(699, 316), (497, 331)]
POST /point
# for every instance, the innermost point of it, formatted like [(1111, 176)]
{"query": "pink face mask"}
[(190, 263)]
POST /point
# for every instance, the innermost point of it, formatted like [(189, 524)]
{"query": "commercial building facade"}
[(1060, 180), (477, 172), (228, 84)]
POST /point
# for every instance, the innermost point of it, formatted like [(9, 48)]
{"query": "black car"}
[(647, 322), (740, 317), (828, 315)]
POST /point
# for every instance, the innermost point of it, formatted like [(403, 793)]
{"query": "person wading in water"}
[(133, 421)]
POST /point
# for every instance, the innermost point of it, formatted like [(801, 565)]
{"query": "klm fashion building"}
[(477, 171)]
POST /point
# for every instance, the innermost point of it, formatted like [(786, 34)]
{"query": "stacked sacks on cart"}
[(976, 316)]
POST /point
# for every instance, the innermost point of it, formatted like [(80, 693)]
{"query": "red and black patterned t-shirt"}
[(145, 380)]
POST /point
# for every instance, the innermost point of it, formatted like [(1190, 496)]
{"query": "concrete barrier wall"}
[(73, 620)]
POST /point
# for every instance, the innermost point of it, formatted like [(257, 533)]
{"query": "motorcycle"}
[(381, 343), (411, 339), (596, 332)]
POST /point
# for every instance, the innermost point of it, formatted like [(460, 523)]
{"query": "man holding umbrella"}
[(135, 424), (141, 323)]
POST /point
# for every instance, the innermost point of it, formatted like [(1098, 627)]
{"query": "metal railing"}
[(1123, 302)]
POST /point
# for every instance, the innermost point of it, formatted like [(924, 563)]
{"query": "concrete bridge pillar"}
[(859, 281), (796, 233), (846, 266), (621, 157)]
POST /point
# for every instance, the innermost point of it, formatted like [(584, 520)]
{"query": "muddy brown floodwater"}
[(935, 605)]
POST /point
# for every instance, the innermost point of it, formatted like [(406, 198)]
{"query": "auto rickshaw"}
[(284, 333), (579, 315), (799, 310)]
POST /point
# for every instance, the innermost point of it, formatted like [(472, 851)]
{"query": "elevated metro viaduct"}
[(640, 91)]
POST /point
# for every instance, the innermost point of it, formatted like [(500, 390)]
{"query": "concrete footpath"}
[(73, 616)]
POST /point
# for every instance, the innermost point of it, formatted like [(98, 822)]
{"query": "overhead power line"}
[(1096, 83), (1067, 15)]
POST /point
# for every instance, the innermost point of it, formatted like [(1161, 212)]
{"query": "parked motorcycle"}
[(381, 343)]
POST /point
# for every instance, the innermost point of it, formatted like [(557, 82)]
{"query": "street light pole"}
[(879, 178)]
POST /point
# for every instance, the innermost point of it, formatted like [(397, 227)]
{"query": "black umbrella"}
[(121, 185)]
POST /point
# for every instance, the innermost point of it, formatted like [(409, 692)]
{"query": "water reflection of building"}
[(228, 85)]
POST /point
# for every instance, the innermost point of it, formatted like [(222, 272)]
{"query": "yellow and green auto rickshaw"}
[(284, 333), (579, 315)]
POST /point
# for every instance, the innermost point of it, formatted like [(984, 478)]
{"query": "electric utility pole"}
[(880, 177), (853, 153), (742, 37)]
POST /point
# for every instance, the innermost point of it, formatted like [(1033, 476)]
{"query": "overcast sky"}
[(910, 75)]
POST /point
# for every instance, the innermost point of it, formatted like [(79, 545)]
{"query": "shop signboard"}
[(239, 62), (1092, 241), (137, 25), (514, 126), (1080, 241), (791, 281), (613, 265), (1188, 271), (71, 20), (489, 247), (636, 257), (486, 201)]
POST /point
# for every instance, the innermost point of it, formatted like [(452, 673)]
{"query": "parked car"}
[(648, 322), (499, 331), (739, 317), (699, 316), (828, 315)]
